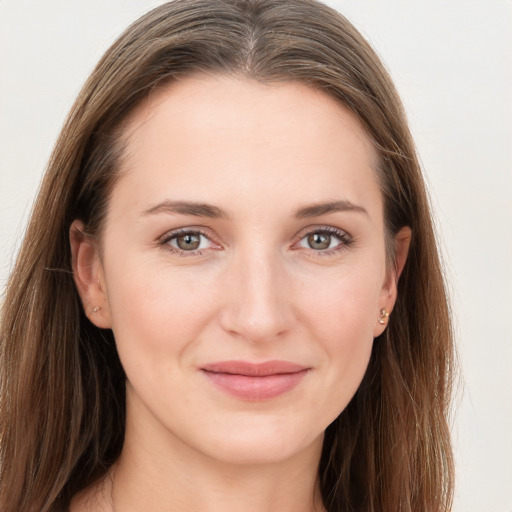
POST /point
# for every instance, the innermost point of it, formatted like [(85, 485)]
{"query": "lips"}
[(255, 381)]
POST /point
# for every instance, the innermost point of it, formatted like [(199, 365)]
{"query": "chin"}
[(260, 443)]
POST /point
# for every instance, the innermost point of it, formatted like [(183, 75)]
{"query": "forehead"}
[(221, 138)]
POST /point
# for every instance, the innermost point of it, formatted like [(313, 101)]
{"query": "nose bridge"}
[(259, 300)]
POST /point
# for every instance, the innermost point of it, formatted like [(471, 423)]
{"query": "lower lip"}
[(256, 388)]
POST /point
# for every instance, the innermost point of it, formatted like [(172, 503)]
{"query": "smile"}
[(250, 381)]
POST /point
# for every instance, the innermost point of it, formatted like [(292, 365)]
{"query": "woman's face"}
[(242, 266)]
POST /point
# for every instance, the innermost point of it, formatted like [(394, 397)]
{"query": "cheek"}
[(156, 314), (343, 304), (342, 319)]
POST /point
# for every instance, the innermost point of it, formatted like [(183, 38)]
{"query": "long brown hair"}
[(62, 408)]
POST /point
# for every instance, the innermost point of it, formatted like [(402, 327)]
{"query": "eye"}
[(186, 241), (325, 240)]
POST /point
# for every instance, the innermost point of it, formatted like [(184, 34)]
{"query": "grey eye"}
[(188, 242), (319, 241), (325, 238)]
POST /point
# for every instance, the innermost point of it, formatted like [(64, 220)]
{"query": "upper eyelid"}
[(168, 235), (344, 237), (322, 228), (164, 241), (341, 233)]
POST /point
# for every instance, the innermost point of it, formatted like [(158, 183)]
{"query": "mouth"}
[(255, 381)]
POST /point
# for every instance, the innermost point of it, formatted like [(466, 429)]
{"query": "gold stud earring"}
[(383, 317)]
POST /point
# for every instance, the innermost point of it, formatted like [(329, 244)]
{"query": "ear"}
[(388, 294), (88, 275)]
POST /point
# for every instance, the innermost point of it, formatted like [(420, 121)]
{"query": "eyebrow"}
[(188, 208), (316, 210), (214, 212)]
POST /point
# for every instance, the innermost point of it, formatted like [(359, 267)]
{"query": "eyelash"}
[(345, 240), (164, 242)]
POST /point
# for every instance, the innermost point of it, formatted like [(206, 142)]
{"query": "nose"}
[(258, 303)]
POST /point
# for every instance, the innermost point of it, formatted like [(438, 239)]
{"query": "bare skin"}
[(247, 226)]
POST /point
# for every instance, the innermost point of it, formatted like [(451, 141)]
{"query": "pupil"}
[(319, 241), (188, 242)]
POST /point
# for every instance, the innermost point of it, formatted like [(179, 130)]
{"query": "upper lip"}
[(254, 369)]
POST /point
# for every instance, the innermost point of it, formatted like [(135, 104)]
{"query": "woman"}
[(229, 295)]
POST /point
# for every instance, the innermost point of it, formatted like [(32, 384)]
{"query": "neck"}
[(159, 472), (256, 489)]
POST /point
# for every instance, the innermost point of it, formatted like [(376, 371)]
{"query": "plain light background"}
[(452, 63)]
